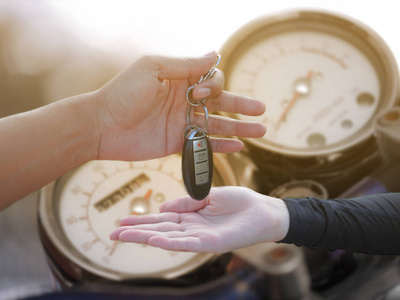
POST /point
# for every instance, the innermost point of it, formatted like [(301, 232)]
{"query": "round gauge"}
[(322, 77), (387, 128), (79, 211), (300, 188)]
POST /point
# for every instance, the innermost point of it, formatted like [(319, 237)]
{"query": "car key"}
[(197, 158), (197, 163)]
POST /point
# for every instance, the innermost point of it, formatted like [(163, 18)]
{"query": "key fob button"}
[(200, 145), (202, 178), (200, 156), (201, 168)]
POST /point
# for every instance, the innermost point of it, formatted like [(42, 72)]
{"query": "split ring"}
[(189, 99), (201, 103)]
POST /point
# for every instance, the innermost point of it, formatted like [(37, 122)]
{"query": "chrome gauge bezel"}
[(73, 263), (352, 31)]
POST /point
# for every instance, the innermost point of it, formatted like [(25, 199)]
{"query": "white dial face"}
[(100, 193), (318, 89)]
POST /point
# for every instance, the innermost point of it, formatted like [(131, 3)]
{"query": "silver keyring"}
[(188, 97), (212, 70), (209, 74), (205, 114)]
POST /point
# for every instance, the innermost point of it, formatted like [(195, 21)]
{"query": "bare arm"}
[(38, 146)]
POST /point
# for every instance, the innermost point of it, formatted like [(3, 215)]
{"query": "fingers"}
[(174, 68), (148, 222), (219, 100), (233, 103), (183, 204), (135, 235), (150, 219), (173, 241), (218, 125), (211, 87), (192, 244), (142, 232), (221, 145), (167, 236), (192, 69)]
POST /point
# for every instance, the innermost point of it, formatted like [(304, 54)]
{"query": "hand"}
[(141, 113), (229, 218)]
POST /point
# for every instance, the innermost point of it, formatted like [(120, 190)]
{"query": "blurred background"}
[(50, 50), (53, 49)]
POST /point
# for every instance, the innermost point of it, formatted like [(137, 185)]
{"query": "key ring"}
[(209, 74), (189, 96), (212, 70), (205, 115), (197, 158)]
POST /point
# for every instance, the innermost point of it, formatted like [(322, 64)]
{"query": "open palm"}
[(229, 218)]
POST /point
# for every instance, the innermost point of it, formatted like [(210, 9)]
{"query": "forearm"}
[(38, 146), (369, 224)]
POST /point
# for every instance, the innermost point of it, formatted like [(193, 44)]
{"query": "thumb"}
[(175, 68)]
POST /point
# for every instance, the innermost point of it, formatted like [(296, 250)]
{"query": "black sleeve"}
[(369, 224)]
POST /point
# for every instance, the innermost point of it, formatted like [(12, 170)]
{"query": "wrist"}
[(284, 219), (85, 126), (279, 218)]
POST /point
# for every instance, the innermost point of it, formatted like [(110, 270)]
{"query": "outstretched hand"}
[(142, 112), (229, 218)]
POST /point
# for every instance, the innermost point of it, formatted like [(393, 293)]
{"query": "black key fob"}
[(197, 164)]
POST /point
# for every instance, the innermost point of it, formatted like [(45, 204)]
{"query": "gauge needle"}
[(148, 194), (300, 89), (114, 246)]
